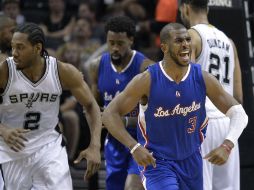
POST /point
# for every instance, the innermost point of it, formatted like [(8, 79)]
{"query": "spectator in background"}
[(165, 12), (87, 11), (58, 25), (82, 36), (11, 8)]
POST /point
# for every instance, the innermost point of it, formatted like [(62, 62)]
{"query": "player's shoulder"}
[(3, 73), (66, 68)]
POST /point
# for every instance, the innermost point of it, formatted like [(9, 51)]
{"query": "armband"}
[(238, 121)]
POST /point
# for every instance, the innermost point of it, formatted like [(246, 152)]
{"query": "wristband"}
[(226, 147), (135, 147)]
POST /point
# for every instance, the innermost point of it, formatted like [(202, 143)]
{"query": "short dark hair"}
[(165, 32), (201, 4), (121, 24), (35, 35)]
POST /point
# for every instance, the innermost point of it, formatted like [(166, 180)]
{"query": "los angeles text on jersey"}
[(33, 97), (177, 110)]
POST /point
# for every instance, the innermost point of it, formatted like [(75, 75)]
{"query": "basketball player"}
[(217, 55), (111, 72), (32, 155), (173, 119)]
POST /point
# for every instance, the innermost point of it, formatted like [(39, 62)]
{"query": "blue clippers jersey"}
[(175, 118), (111, 82)]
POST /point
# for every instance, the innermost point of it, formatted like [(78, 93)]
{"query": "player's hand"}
[(93, 158), (218, 156), (143, 157), (14, 137)]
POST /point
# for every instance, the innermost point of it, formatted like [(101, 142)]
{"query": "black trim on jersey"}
[(9, 65), (34, 84), (58, 76), (64, 141), (2, 172)]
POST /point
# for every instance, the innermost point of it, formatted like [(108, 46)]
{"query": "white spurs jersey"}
[(217, 58), (33, 106)]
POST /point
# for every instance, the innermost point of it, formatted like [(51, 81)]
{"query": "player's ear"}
[(185, 9), (38, 48), (164, 47), (131, 40)]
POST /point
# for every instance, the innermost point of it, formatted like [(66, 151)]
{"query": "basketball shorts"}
[(174, 175), (119, 164), (45, 169)]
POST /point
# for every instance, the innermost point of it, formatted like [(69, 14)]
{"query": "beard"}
[(116, 61), (177, 61)]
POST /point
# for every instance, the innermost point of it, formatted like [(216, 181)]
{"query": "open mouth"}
[(185, 55)]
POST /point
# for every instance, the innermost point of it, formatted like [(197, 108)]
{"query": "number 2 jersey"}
[(174, 123), (30, 105), (217, 58)]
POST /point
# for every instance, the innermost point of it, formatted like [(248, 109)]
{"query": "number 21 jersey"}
[(217, 58)]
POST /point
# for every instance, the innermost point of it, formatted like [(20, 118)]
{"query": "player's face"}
[(180, 47), (119, 45), (23, 51), (184, 16)]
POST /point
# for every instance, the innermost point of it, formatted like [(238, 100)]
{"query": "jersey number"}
[(32, 120), (193, 123), (215, 65)]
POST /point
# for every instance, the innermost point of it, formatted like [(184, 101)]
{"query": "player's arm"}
[(132, 121), (72, 79), (238, 93), (229, 106), (93, 78), (123, 104), (196, 44), (3, 75)]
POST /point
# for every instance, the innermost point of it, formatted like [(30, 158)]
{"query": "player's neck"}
[(175, 71), (199, 19), (37, 70), (125, 62)]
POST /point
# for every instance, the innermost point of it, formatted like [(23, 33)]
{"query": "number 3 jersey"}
[(174, 123), (31, 105), (217, 58)]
